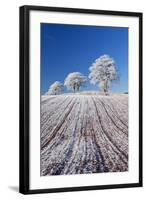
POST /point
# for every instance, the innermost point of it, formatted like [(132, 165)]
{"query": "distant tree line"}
[(102, 72)]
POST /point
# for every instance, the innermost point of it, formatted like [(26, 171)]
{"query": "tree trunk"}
[(74, 88), (105, 88), (78, 87)]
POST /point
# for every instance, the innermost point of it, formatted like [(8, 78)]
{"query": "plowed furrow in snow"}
[(54, 109), (84, 158), (78, 149), (46, 100), (60, 149), (116, 121), (121, 123), (49, 108), (120, 108), (52, 120), (60, 120), (113, 159), (109, 129), (85, 134)]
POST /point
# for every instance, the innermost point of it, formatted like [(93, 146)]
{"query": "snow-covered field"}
[(84, 134)]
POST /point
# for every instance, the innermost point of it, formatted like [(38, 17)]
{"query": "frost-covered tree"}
[(102, 72), (74, 81), (55, 88)]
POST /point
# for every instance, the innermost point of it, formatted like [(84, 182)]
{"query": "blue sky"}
[(72, 48)]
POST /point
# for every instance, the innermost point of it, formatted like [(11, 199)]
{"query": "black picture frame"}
[(25, 105)]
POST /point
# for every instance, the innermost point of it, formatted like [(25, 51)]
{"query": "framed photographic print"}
[(80, 99)]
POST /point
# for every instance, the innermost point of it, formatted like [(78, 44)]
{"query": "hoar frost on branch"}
[(55, 88), (75, 80), (103, 71)]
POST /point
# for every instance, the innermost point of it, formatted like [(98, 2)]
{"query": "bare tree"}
[(103, 71), (55, 88), (74, 81)]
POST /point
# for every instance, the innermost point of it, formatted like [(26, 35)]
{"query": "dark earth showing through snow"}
[(83, 134)]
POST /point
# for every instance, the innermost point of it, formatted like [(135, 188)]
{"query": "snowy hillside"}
[(84, 134)]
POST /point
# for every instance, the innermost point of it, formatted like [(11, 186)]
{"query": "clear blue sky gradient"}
[(72, 48)]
